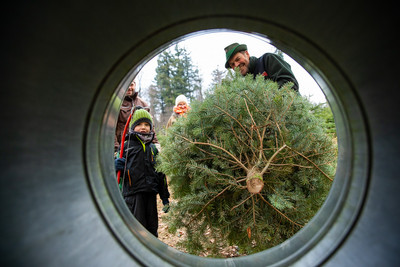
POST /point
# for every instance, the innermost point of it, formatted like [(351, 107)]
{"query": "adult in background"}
[(270, 65), (180, 109), (131, 99)]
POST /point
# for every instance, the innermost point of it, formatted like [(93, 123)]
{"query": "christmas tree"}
[(249, 166)]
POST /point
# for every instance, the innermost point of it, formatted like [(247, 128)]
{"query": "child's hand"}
[(166, 208), (120, 164)]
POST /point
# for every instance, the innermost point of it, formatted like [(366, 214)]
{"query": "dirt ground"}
[(173, 239), (163, 234)]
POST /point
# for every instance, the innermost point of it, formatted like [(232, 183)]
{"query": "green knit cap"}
[(231, 50), (139, 116)]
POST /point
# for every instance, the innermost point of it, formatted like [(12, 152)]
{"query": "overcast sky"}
[(207, 53)]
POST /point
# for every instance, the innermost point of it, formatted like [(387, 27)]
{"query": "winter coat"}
[(125, 111), (140, 174), (273, 67), (172, 119)]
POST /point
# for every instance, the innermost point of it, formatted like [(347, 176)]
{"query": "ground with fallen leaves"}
[(172, 239)]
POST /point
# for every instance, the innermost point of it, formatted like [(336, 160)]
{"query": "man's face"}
[(240, 60), (131, 89)]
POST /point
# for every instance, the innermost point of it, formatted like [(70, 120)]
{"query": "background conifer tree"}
[(249, 166), (324, 112), (175, 74)]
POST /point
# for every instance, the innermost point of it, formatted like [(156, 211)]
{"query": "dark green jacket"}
[(273, 67)]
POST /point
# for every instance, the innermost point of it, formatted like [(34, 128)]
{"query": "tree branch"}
[(218, 156), (215, 146), (233, 118), (315, 165), (271, 158), (280, 212), (288, 107), (292, 165), (234, 207), (252, 119), (208, 203), (254, 126)]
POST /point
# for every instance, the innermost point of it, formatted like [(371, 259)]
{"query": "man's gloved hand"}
[(119, 164)]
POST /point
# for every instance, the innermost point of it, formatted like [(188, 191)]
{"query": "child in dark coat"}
[(141, 181)]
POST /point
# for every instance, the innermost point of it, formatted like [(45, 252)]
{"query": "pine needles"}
[(246, 132)]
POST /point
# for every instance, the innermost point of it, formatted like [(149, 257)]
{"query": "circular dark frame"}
[(312, 245)]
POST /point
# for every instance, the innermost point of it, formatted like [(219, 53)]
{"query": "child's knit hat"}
[(139, 116)]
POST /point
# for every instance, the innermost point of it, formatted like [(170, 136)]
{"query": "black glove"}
[(120, 164), (166, 205), (165, 208)]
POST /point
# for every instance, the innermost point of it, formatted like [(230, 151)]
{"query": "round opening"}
[(322, 235), (206, 55)]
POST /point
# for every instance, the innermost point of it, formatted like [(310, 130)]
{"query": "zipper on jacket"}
[(144, 146), (130, 181)]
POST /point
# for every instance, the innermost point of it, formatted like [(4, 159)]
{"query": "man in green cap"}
[(270, 65)]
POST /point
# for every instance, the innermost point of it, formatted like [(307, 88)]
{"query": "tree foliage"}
[(250, 165), (175, 75), (217, 77), (324, 112)]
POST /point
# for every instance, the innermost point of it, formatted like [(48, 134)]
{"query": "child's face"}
[(143, 127)]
